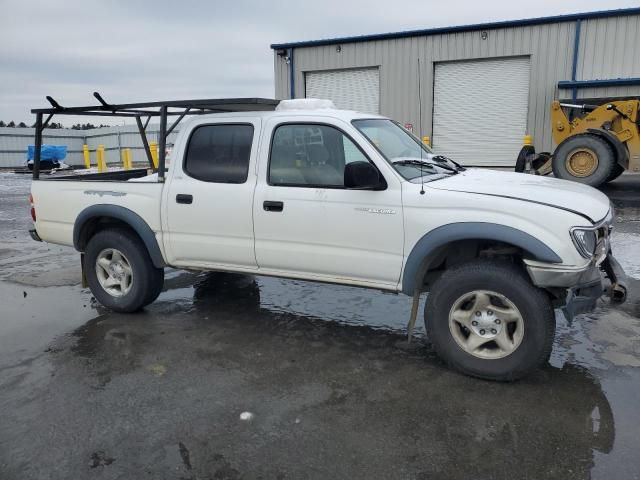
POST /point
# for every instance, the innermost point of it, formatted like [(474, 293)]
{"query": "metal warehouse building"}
[(483, 87)]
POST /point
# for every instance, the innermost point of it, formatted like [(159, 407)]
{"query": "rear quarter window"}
[(219, 153)]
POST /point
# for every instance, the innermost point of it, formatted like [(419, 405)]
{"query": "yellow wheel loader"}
[(597, 146)]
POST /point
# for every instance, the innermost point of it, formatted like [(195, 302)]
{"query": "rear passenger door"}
[(307, 223), (209, 200)]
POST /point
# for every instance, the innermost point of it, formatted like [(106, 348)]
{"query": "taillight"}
[(33, 209)]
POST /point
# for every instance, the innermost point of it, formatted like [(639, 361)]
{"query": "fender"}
[(622, 154), (125, 215), (429, 245)]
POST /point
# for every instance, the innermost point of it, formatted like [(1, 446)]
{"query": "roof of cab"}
[(345, 115)]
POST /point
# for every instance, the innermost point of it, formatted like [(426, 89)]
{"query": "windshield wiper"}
[(425, 163), (443, 158)]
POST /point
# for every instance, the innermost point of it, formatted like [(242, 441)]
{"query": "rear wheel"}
[(587, 159), (487, 320), (120, 272)]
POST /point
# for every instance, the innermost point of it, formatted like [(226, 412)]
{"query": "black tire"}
[(505, 279), (600, 147), (45, 165), (521, 161), (615, 173), (155, 289), (147, 280)]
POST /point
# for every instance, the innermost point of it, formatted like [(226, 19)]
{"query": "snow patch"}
[(246, 416)]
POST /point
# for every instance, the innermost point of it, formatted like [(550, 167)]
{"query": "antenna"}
[(420, 128)]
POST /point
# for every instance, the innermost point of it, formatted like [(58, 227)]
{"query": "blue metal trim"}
[(462, 28), (127, 216), (292, 76), (611, 82), (425, 250), (576, 49)]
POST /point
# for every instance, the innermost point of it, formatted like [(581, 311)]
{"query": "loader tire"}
[(586, 159), (521, 162), (617, 171)]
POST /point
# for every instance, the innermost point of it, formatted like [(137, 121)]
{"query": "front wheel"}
[(487, 320), (120, 272)]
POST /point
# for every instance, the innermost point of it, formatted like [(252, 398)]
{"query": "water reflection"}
[(433, 421), (546, 426), (539, 429), (351, 306)]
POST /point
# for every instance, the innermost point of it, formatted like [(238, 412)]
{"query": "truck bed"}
[(59, 200)]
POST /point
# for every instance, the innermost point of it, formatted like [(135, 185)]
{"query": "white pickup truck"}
[(309, 192)]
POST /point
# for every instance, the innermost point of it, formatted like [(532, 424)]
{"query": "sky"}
[(146, 50)]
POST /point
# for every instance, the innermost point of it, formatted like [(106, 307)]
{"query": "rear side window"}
[(219, 153)]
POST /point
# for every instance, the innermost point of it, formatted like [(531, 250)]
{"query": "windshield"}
[(402, 149)]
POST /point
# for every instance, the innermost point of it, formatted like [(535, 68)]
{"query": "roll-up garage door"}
[(353, 89), (480, 110)]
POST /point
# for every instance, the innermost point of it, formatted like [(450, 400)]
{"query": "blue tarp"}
[(48, 152)]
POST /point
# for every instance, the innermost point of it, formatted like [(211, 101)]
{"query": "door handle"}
[(184, 198), (270, 206)]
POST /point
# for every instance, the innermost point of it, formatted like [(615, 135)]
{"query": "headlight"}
[(585, 241)]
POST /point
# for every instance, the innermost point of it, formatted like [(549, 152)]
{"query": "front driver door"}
[(306, 222)]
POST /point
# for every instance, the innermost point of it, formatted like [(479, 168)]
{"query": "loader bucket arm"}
[(560, 124)]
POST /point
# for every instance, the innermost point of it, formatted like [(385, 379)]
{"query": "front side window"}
[(219, 153), (406, 153), (311, 156)]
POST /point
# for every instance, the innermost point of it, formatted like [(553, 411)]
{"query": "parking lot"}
[(230, 376)]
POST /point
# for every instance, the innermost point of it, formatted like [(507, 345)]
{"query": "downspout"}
[(574, 66), (292, 75)]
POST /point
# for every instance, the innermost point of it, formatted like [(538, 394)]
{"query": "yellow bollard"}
[(153, 146), (528, 140), (87, 156), (126, 159), (102, 165), (426, 140), (129, 161)]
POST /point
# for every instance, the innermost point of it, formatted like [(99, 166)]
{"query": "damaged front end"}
[(578, 288)]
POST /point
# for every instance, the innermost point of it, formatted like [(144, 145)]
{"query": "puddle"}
[(626, 249)]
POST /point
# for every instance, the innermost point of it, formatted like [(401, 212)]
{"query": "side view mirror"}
[(363, 176)]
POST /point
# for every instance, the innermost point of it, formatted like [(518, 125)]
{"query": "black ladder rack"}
[(163, 110)]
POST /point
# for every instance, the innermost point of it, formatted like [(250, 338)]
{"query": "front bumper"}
[(584, 285), (582, 299), (618, 278), (547, 275)]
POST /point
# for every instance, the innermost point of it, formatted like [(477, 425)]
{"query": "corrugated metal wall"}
[(116, 138), (282, 77), (14, 142), (607, 50)]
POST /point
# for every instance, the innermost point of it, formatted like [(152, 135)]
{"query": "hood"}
[(571, 196)]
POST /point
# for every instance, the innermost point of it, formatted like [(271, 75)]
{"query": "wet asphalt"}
[(233, 376)]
